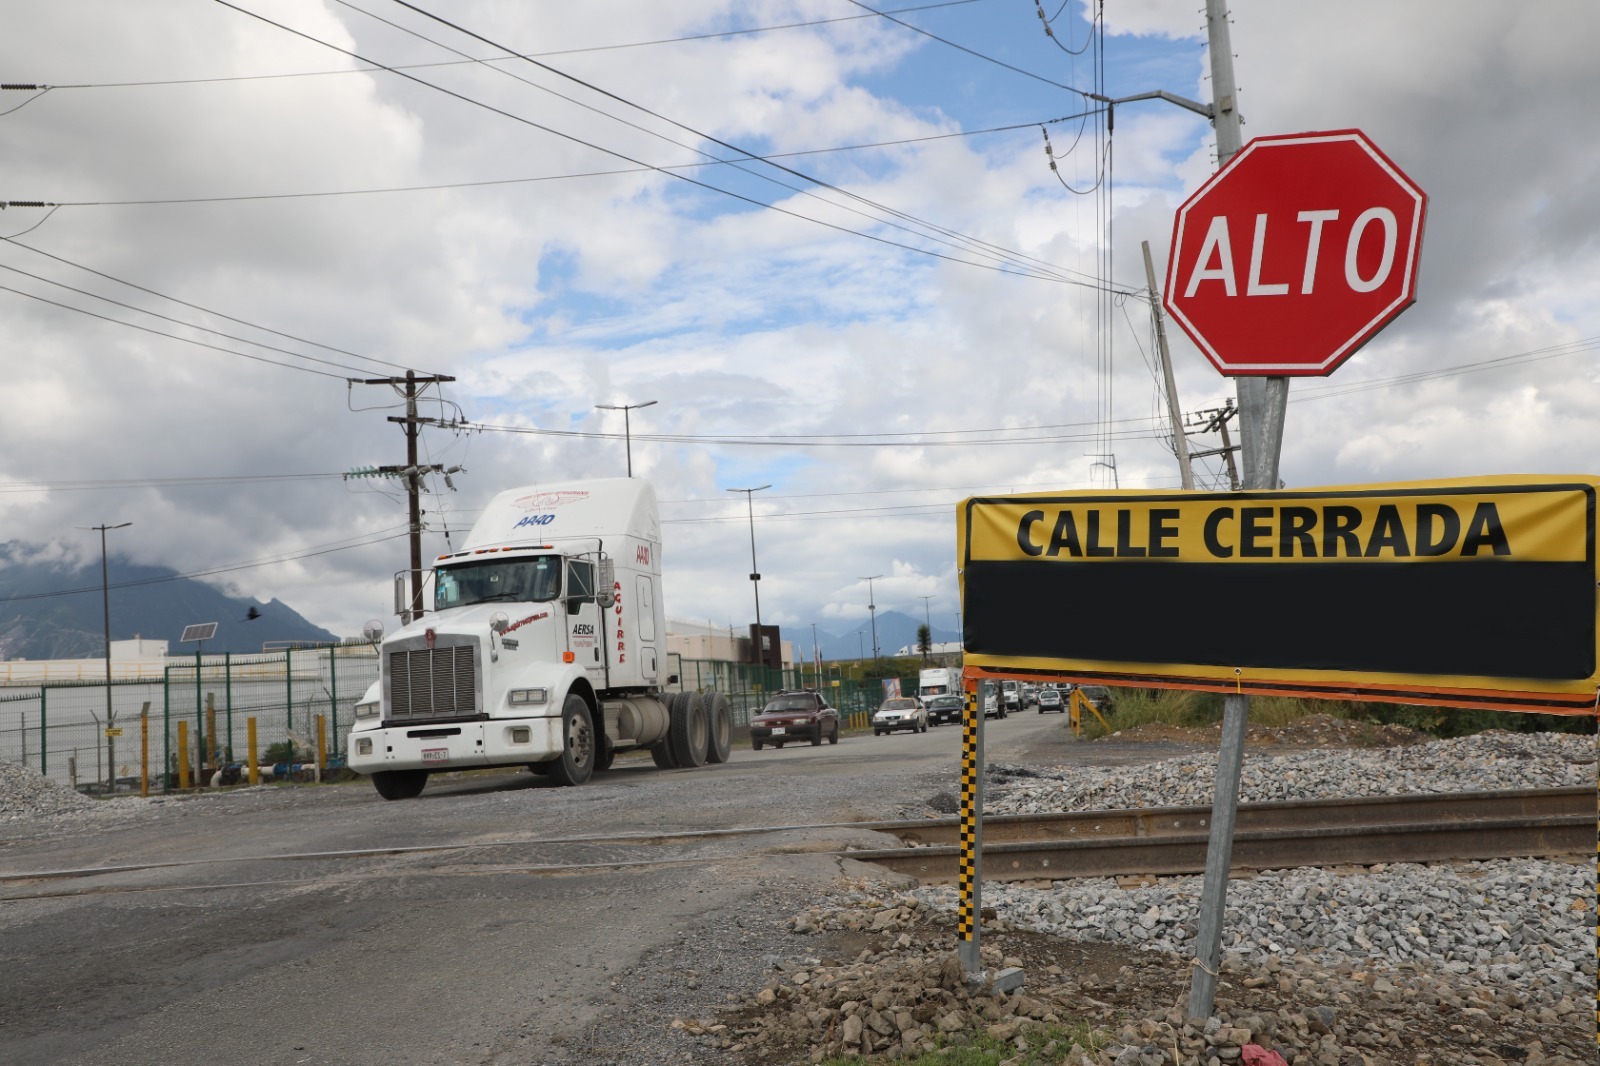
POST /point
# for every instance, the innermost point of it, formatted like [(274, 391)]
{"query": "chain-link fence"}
[(195, 723)]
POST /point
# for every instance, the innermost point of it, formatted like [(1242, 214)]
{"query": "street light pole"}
[(627, 428), (105, 606), (755, 572), (872, 610)]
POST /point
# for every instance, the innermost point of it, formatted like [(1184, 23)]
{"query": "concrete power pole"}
[(1180, 443)]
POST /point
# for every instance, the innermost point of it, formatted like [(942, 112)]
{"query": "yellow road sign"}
[(1478, 592)]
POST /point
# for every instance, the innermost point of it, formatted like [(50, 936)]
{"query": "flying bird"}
[(252, 614)]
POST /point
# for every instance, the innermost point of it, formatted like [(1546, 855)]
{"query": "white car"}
[(900, 712)]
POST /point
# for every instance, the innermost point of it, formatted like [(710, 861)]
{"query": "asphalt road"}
[(256, 945)]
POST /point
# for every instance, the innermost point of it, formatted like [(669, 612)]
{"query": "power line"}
[(40, 88), (968, 51), (1555, 351), (820, 441), (156, 482), (180, 322), (173, 336), (984, 246), (195, 306), (959, 241)]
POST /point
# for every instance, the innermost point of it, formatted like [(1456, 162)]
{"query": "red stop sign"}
[(1295, 254)]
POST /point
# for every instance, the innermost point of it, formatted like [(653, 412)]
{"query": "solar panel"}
[(200, 631)]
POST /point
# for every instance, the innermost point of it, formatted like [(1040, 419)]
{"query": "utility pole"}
[(1180, 443), (412, 473), (756, 655), (872, 610), (105, 606), (1217, 422)]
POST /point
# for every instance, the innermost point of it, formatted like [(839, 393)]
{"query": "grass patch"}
[(1045, 1048), (1139, 706)]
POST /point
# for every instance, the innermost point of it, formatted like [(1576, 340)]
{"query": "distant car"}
[(1098, 695), (900, 712), (1050, 700), (797, 715), (1010, 697), (945, 709)]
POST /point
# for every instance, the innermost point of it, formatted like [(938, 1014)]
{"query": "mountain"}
[(52, 611), (895, 631)]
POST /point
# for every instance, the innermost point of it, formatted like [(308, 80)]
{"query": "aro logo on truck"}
[(534, 520), (643, 555)]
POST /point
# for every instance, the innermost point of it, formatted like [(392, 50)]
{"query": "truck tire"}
[(719, 725), (687, 734), (576, 762), (539, 769), (661, 754), (400, 784)]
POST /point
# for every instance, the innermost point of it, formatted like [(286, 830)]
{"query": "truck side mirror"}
[(402, 602), (606, 595)]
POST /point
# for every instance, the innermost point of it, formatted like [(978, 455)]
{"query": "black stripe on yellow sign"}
[(1510, 619), (967, 919), (1485, 585)]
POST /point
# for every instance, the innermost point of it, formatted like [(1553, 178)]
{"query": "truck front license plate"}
[(435, 754), (778, 731)]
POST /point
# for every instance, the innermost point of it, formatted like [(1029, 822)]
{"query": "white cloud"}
[(544, 298)]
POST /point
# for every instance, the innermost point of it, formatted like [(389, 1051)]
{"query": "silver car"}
[(900, 712)]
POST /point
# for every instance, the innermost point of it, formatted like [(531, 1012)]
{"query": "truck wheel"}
[(719, 724), (687, 735), (539, 769), (400, 784), (661, 755), (576, 761)]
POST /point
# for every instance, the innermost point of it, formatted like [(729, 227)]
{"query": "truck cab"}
[(545, 649)]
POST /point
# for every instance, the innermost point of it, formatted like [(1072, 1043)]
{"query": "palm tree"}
[(925, 642)]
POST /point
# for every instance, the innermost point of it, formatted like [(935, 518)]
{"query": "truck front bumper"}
[(455, 746)]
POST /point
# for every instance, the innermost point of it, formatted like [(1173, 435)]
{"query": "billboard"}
[(1478, 592)]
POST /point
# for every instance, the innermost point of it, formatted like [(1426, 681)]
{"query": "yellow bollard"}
[(250, 739), (322, 760), (183, 754), (211, 727)]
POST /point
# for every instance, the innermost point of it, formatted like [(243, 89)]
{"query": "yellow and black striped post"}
[(970, 881)]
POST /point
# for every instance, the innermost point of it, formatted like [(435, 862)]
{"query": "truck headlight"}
[(521, 697), (366, 710)]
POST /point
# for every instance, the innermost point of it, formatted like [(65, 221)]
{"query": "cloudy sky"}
[(897, 305)]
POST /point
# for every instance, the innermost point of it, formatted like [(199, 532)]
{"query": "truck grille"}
[(432, 683)]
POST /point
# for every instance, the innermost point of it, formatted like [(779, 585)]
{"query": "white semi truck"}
[(546, 649), (937, 681)]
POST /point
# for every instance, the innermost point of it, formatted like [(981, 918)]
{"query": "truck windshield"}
[(528, 580)]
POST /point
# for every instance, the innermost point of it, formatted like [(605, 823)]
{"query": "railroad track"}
[(1157, 840), (1267, 836)]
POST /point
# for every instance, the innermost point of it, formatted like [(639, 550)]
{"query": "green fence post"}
[(333, 695), (44, 745), (227, 689), (166, 727), (288, 702)]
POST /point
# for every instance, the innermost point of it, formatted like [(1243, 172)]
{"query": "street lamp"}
[(755, 573), (627, 430), (105, 606), (872, 610)]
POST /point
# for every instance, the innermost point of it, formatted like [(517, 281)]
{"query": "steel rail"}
[(1440, 807), (1357, 832)]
